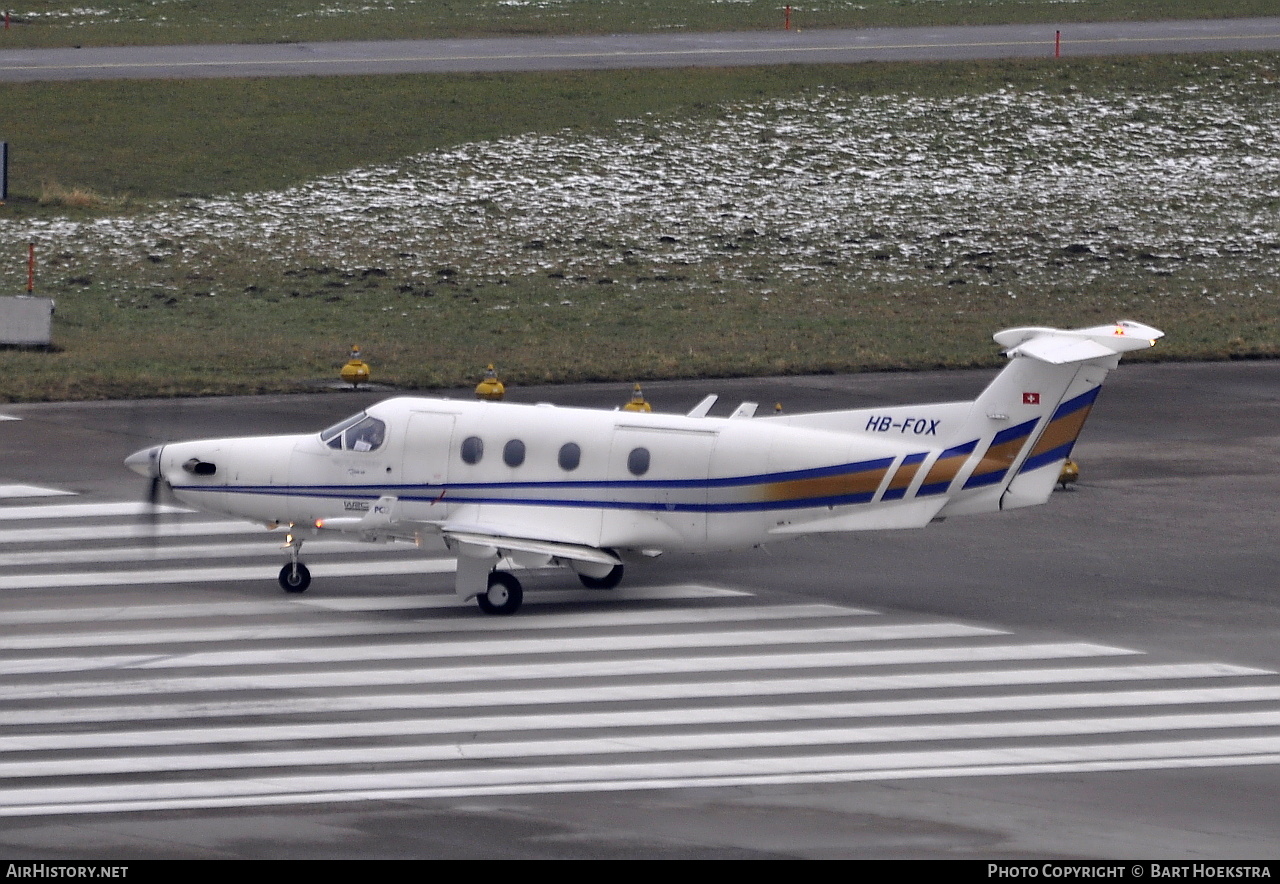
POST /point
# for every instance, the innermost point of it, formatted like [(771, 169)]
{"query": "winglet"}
[(1061, 346)]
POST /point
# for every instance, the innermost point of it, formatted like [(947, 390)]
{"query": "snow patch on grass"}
[(1013, 189)]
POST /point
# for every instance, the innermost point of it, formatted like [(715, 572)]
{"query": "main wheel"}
[(503, 596), (295, 578), (608, 581)]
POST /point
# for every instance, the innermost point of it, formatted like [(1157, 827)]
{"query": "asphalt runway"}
[(640, 50), (1096, 678)]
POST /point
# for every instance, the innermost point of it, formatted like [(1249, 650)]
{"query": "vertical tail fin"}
[(1028, 419)]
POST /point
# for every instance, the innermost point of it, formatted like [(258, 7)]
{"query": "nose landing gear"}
[(294, 577)]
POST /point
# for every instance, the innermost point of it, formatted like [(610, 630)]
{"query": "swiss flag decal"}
[(1030, 398)]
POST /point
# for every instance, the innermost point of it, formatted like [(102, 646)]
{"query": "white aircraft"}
[(539, 485)]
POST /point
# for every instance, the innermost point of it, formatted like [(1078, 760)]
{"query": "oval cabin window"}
[(472, 449), (570, 456), (513, 453), (638, 461)]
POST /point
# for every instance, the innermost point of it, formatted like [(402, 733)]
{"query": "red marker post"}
[(786, 19), (1057, 44)]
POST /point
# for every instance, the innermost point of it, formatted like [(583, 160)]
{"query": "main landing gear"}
[(608, 581), (503, 595)]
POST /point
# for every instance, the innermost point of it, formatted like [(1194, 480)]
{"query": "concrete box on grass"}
[(26, 321)]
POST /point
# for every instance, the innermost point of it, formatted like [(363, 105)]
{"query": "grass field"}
[(132, 22), (646, 224), (237, 236)]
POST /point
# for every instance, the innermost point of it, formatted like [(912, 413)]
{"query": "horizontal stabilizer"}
[(1059, 350), (1062, 346)]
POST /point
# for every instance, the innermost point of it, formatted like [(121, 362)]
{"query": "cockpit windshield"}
[(360, 432)]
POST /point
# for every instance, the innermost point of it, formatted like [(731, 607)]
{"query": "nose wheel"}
[(295, 577)]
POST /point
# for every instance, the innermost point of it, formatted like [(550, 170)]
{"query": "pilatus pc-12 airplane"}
[(538, 485)]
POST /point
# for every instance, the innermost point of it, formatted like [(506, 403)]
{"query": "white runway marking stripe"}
[(666, 773), (10, 491), (631, 693), (84, 511), (508, 672), (239, 573), (442, 628), (264, 547), (633, 743), (135, 531), (491, 648), (646, 718), (305, 605)]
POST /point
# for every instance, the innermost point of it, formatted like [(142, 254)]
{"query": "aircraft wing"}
[(383, 522), (487, 542)]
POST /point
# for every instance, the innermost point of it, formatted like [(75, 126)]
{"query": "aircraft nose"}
[(145, 462)]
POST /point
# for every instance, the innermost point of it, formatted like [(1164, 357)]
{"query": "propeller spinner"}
[(146, 462)]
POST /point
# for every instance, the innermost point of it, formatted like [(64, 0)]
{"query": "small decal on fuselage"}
[(359, 506)]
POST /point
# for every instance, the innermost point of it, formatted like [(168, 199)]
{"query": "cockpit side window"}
[(358, 433), (368, 435), (333, 435)]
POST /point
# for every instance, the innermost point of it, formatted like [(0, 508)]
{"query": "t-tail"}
[(1006, 448), (1021, 430)]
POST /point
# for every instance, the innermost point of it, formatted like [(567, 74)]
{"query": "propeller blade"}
[(147, 463)]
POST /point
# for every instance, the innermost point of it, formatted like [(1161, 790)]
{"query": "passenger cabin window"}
[(638, 461), (513, 453), (570, 456), (472, 449), (359, 433)]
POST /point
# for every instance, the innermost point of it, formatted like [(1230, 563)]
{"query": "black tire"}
[(608, 581), (295, 578), (503, 596)]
